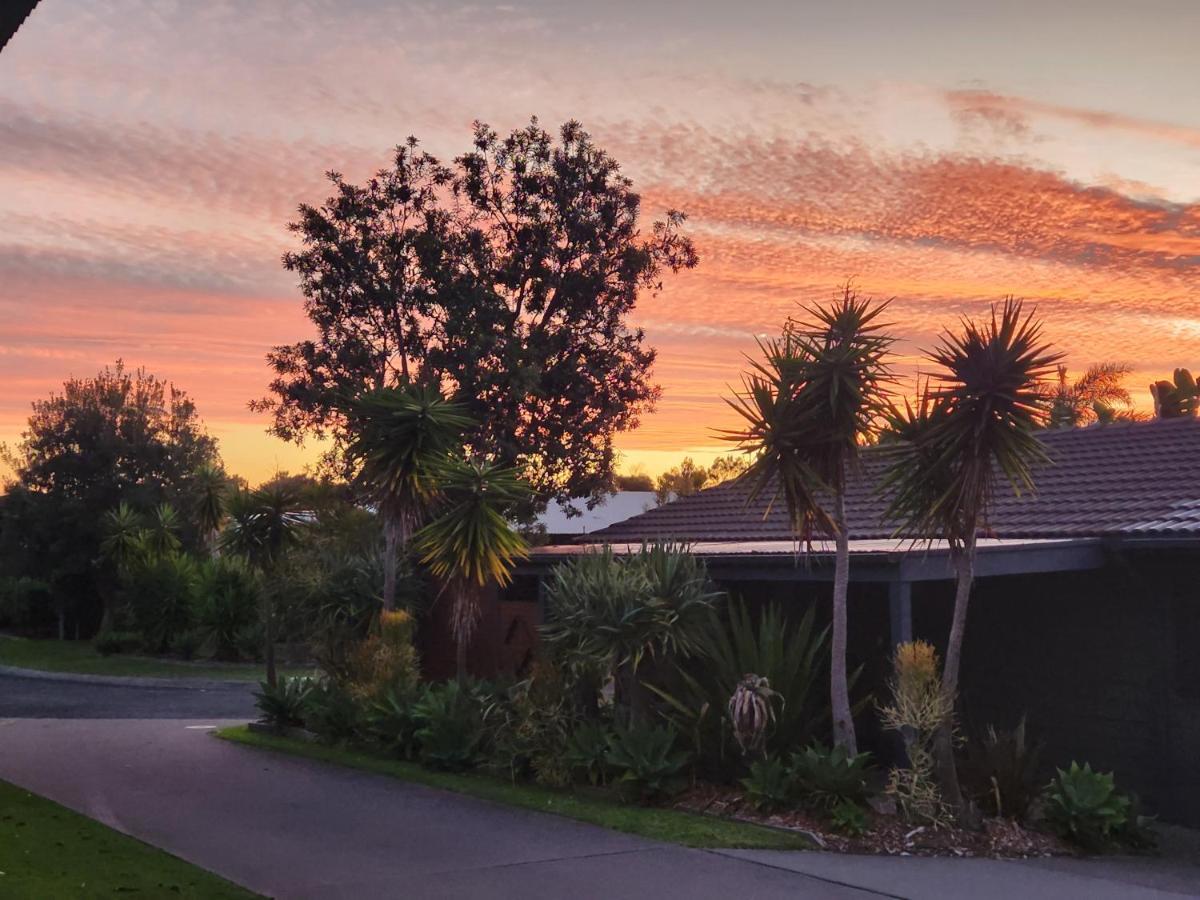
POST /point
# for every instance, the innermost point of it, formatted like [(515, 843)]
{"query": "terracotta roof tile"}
[(1121, 479)]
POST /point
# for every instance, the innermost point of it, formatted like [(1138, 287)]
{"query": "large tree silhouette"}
[(505, 279)]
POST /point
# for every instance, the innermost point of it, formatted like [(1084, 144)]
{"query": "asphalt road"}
[(294, 828), (36, 698)]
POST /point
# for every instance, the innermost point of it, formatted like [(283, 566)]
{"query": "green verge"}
[(670, 825), (81, 658), (47, 850)]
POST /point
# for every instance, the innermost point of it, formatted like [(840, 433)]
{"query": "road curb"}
[(182, 684)]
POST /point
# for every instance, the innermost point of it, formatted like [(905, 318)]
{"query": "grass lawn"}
[(48, 851), (81, 657), (670, 825)]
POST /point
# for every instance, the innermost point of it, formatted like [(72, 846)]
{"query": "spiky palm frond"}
[(807, 405), (1088, 398), (162, 537), (264, 524), (399, 438), (980, 419), (124, 537), (212, 489), (471, 539)]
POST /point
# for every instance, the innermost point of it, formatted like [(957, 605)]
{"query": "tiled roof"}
[(1130, 479)]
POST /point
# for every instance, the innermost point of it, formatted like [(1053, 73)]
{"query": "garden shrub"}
[(284, 705), (108, 643), (229, 598), (24, 602), (332, 712), (999, 771), (919, 708), (586, 753), (849, 818), (770, 785), (1086, 807), (161, 593), (606, 614), (825, 777), (450, 732), (645, 763), (187, 643), (531, 725), (385, 660), (390, 722)]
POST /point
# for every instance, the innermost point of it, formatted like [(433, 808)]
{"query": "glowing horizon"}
[(945, 155)]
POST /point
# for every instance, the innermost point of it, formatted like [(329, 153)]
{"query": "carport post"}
[(900, 607)]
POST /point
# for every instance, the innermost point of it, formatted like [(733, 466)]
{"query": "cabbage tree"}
[(974, 430), (817, 396), (400, 438), (471, 542)]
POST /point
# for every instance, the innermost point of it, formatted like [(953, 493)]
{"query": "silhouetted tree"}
[(506, 278)]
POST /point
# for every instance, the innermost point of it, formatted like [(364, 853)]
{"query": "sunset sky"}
[(944, 153)]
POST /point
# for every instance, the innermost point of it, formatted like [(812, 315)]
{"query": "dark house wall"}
[(1104, 664)]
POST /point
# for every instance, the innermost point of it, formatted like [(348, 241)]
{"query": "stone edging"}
[(183, 683)]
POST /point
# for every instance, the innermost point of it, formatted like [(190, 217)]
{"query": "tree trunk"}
[(460, 660), (391, 540), (964, 566), (269, 633), (839, 689)]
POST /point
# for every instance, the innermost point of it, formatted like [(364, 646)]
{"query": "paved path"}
[(293, 828), (61, 698)]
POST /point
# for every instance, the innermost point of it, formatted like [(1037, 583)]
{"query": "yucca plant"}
[(820, 393), (609, 614), (212, 491), (973, 429), (161, 536), (400, 437), (471, 542), (263, 525)]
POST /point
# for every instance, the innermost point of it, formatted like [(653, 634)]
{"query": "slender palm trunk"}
[(839, 689), (464, 617), (964, 566), (269, 638), (397, 531)]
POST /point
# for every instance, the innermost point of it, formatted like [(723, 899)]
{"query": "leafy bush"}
[(770, 785), (162, 596), (646, 764), (332, 712), (229, 598), (109, 642), (24, 601), (1000, 771), (1085, 807), (791, 656), (385, 660), (607, 613), (849, 818), (586, 753), (285, 704), (530, 726), (451, 731), (390, 722), (826, 777)]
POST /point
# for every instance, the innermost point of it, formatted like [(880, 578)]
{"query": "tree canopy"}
[(506, 279), (118, 436)]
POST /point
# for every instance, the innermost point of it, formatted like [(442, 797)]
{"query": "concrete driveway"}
[(294, 828)]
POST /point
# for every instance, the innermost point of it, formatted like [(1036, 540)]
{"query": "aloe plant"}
[(1085, 806)]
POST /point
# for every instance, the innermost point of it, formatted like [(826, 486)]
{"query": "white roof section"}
[(615, 508)]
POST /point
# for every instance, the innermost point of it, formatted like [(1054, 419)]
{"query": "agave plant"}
[(751, 712)]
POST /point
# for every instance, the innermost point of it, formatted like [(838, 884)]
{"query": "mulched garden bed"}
[(886, 834)]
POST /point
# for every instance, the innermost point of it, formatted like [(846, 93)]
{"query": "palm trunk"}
[(391, 540), (964, 565), (839, 689)]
